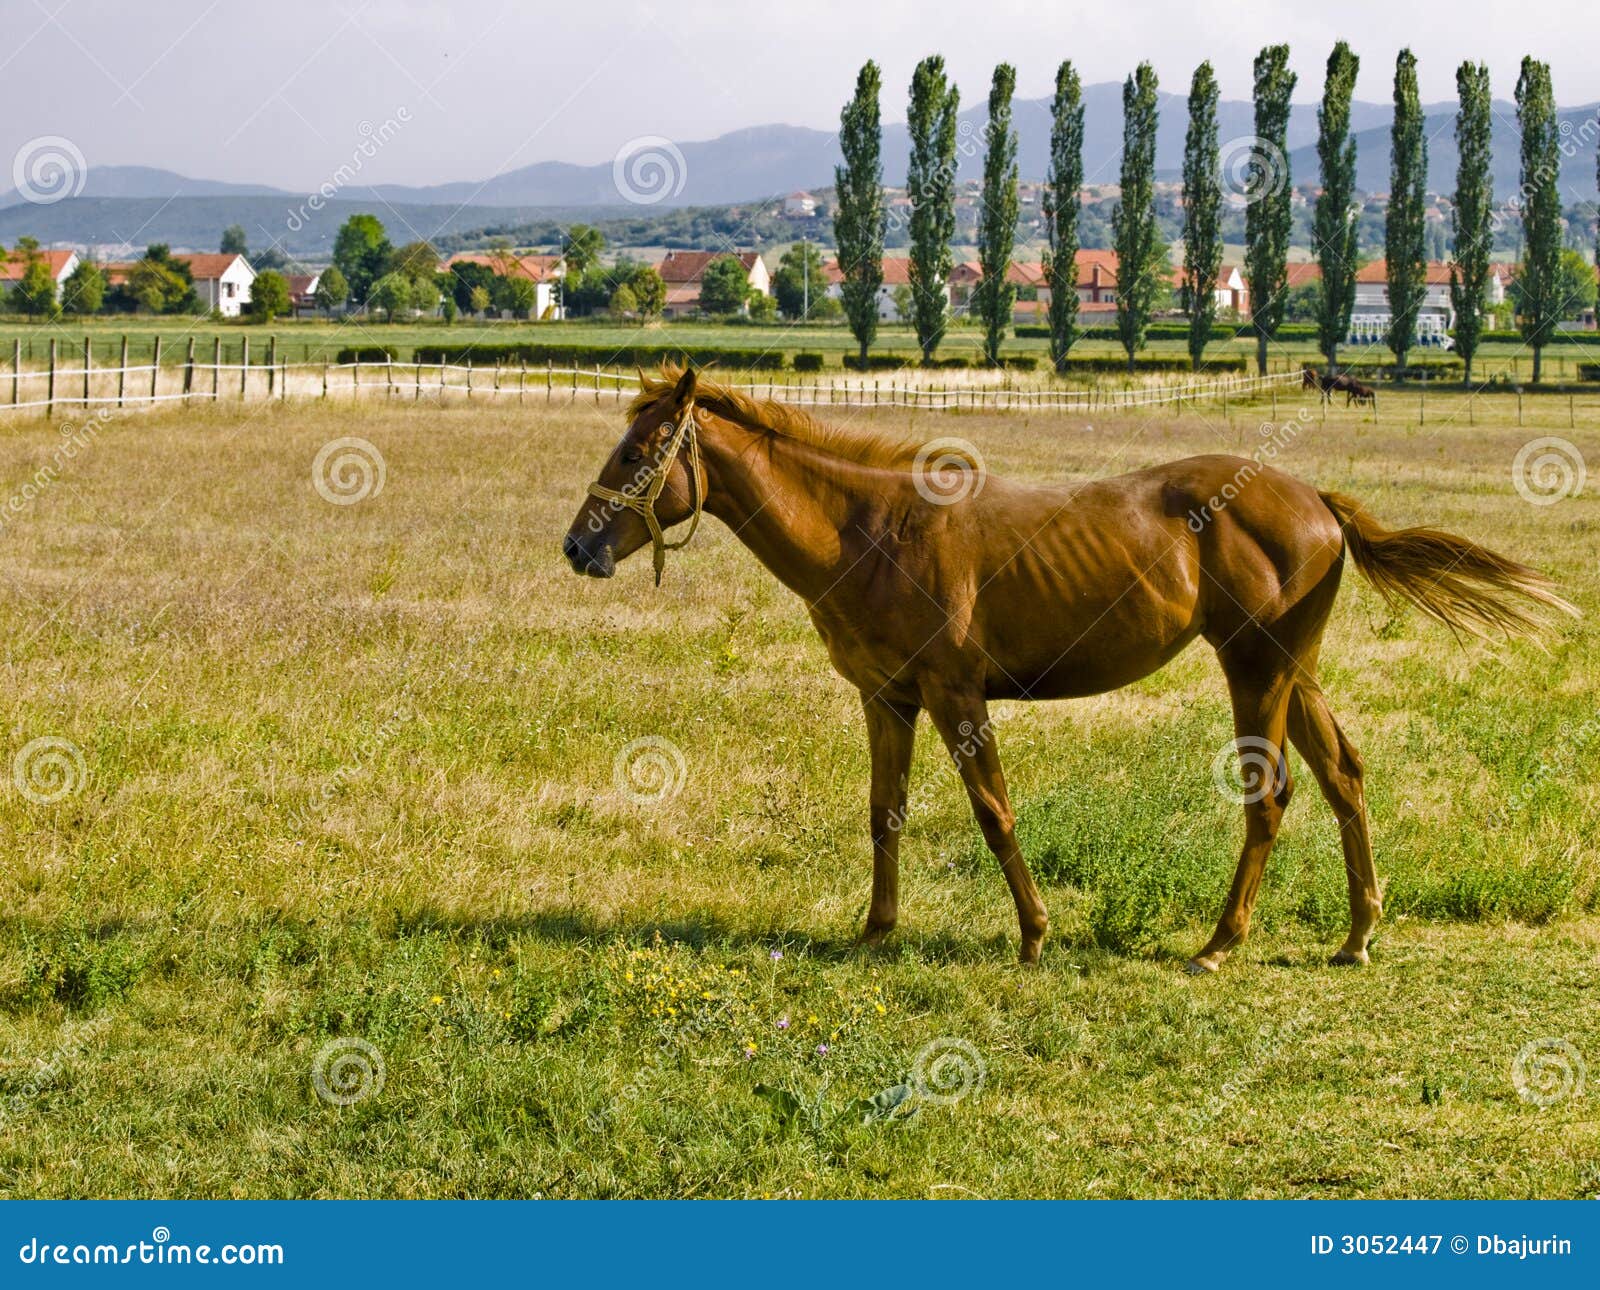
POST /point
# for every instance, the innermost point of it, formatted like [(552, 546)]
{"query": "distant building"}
[(896, 274), (682, 272), (60, 263), (303, 292), (544, 271), (800, 205), (1371, 317), (221, 281)]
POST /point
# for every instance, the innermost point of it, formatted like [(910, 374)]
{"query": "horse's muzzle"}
[(595, 564)]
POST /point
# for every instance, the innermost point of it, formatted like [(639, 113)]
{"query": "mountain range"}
[(746, 166)]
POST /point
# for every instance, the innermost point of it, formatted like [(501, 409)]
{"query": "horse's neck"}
[(786, 501)]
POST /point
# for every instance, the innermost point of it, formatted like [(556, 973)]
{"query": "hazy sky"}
[(282, 93)]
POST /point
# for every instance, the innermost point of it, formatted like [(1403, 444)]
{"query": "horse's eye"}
[(631, 455)]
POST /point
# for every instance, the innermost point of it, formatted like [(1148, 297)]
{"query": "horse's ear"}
[(684, 392)]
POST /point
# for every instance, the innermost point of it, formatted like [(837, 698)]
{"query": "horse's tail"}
[(1468, 588)]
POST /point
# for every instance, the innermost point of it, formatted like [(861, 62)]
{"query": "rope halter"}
[(641, 495)]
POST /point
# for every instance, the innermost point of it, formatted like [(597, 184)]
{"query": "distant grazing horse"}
[(1311, 379), (937, 586), (1355, 392)]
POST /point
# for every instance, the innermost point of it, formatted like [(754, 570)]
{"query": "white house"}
[(544, 271), (896, 274), (1369, 321), (682, 271), (60, 263), (801, 205), (221, 281)]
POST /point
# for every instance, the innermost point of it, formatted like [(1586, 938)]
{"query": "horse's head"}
[(1308, 377), (651, 481)]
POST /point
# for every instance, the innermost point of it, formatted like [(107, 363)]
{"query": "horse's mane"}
[(778, 419)]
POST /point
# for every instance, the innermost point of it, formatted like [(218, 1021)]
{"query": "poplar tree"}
[(1060, 203), (1133, 221), (931, 186), (1470, 217), (1268, 214), (1202, 211), (1538, 280), (1334, 221), (858, 218), (995, 295), (1405, 227)]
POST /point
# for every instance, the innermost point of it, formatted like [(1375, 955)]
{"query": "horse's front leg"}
[(891, 732), (963, 723)]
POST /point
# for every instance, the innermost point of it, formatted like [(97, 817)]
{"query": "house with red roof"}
[(682, 271), (544, 271), (221, 281), (60, 263)]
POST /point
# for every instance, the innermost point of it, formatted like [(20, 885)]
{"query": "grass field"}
[(327, 773), (318, 340)]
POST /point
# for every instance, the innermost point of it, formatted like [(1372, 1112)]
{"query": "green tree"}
[(1470, 216), (725, 286), (995, 295), (624, 304), (417, 260), (234, 240), (35, 292), (517, 295), (1133, 220), (1538, 279), (84, 290), (155, 286), (858, 216), (583, 246), (799, 282), (649, 290), (466, 277), (393, 293), (479, 298), (762, 308), (332, 290), (269, 296), (1060, 209), (1575, 284), (361, 251), (1335, 224), (1202, 211), (1405, 250), (1268, 212), (931, 186)]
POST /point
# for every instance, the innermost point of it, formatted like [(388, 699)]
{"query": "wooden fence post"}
[(155, 366), (244, 367), (272, 364), (50, 385), (188, 372), (522, 380), (216, 366), (469, 380), (324, 379), (16, 370), (88, 359), (355, 379), (122, 371), (549, 380)]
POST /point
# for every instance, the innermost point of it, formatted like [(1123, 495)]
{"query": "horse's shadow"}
[(701, 931)]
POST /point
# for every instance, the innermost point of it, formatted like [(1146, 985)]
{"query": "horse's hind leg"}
[(1260, 688), (891, 732), (1333, 759)]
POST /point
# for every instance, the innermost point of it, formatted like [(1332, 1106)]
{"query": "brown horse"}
[(938, 587)]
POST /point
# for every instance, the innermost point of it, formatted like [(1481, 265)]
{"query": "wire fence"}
[(125, 385)]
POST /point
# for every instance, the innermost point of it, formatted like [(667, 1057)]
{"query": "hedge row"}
[(1556, 338), (367, 354), (1175, 331), (599, 355), (1075, 363)]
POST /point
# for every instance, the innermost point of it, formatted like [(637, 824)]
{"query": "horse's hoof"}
[(1349, 958), (873, 938), (1199, 967), (1028, 955)]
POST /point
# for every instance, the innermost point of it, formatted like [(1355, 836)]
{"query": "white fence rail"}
[(193, 381)]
